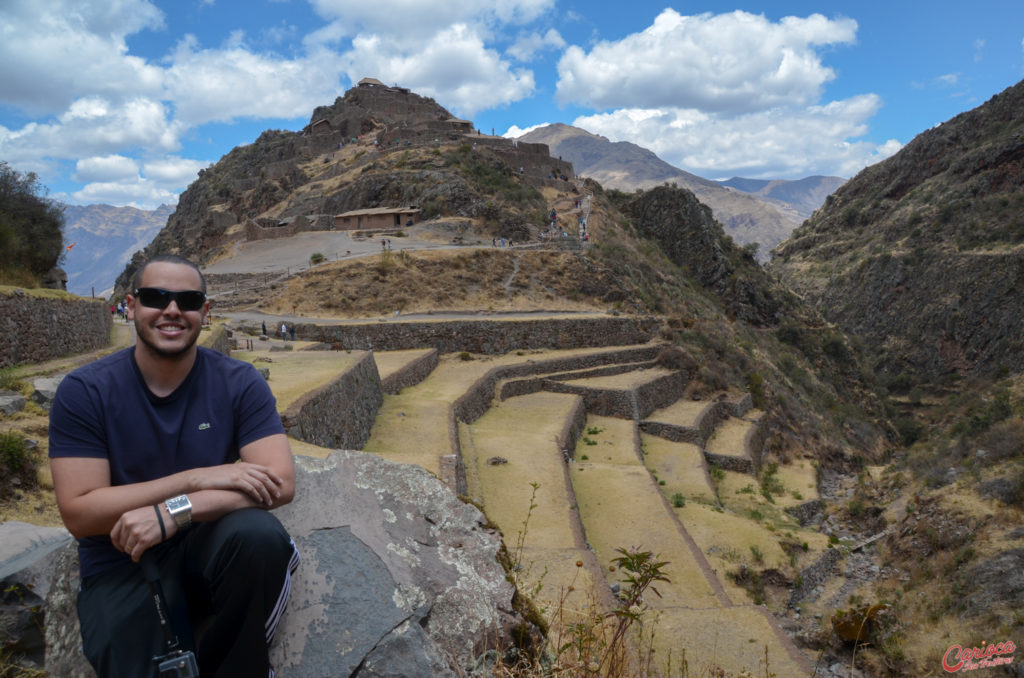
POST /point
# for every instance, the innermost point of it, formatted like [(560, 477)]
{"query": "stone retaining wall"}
[(37, 328), (673, 432), (816, 574), (478, 397), (341, 414), (479, 336), (660, 392), (632, 404), (711, 417), (412, 373), (570, 433), (609, 371), (219, 340)]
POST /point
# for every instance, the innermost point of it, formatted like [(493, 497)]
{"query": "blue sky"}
[(123, 101)]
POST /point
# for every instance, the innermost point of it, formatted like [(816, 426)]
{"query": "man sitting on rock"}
[(145, 447)]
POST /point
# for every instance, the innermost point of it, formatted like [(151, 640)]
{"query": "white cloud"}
[(174, 171), (118, 180), (57, 51), (773, 143), (729, 63), (455, 67), (527, 45), (105, 168), (515, 131), (137, 193), (234, 82), (414, 20), (94, 127)]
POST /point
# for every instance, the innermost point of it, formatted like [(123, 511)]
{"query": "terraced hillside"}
[(575, 453)]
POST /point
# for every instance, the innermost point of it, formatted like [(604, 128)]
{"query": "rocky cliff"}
[(688, 234), (920, 255)]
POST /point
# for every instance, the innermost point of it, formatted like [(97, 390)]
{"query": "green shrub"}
[(678, 500), (18, 462), (317, 258), (8, 382)]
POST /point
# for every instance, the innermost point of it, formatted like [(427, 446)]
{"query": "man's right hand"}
[(256, 481)]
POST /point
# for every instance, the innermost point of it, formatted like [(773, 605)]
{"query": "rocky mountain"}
[(920, 255), (375, 147), (750, 210), (802, 196), (105, 237)]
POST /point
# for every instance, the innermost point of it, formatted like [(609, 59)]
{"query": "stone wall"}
[(478, 397), (341, 414), (635, 404), (412, 373), (219, 339), (479, 336), (38, 327)]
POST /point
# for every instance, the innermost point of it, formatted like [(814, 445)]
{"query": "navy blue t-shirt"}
[(105, 410)]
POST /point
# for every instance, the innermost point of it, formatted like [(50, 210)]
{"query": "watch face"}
[(178, 503)]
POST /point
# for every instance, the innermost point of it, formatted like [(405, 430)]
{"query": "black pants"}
[(226, 584)]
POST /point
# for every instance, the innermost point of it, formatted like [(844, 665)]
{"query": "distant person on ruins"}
[(172, 454), (284, 331), (291, 331)]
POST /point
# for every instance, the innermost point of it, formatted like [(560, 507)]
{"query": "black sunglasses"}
[(157, 297)]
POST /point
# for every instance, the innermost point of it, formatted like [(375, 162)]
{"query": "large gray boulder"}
[(11, 402), (398, 578), (45, 389), (26, 570)]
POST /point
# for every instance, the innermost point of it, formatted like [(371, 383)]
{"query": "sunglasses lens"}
[(155, 297), (190, 300)]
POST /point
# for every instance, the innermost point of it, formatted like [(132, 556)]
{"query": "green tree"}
[(31, 226)]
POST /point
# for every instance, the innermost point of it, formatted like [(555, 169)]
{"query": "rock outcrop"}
[(398, 578), (687, 232), (26, 573)]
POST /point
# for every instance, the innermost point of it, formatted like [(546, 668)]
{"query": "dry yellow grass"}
[(389, 362), (411, 430), (629, 380), (728, 438), (614, 440), (470, 278), (546, 532), (533, 457), (681, 413), (732, 639), (295, 373), (620, 507), (741, 494), (726, 540), (681, 466), (799, 477), (301, 447)]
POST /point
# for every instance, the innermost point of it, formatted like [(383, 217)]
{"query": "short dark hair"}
[(167, 259)]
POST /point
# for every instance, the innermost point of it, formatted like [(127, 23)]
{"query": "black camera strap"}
[(152, 575)]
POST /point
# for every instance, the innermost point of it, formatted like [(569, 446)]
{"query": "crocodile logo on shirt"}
[(205, 425)]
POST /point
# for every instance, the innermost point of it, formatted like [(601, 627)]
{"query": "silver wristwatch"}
[(180, 509)]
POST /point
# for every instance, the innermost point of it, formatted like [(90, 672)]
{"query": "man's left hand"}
[(138, 530)]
